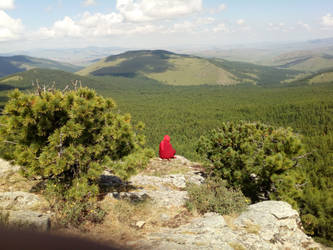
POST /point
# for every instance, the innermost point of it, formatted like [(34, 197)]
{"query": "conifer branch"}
[(302, 156), (60, 146), (10, 142), (63, 91)]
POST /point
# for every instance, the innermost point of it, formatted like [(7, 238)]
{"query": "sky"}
[(31, 24)]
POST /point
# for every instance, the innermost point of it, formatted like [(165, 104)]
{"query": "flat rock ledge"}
[(265, 225), (19, 200), (26, 219), (167, 190), (20, 210), (6, 168)]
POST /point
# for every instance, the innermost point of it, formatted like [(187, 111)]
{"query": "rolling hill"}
[(310, 60), (24, 80), (163, 66), (13, 64), (322, 77), (179, 69)]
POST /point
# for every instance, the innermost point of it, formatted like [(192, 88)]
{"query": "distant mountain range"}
[(13, 64), (76, 56), (181, 69), (309, 56), (165, 67)]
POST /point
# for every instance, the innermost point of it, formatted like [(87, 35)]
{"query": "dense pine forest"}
[(188, 112)]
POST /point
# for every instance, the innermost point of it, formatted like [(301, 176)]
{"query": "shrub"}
[(252, 156), (68, 138), (214, 196)]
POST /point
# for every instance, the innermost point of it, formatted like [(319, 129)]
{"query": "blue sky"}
[(27, 24)]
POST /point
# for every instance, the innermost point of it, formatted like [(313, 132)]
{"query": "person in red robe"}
[(166, 151)]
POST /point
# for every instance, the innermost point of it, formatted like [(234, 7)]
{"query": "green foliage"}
[(72, 209), (69, 138), (214, 196), (186, 113), (251, 156)]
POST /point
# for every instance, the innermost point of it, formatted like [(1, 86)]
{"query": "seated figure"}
[(166, 151)]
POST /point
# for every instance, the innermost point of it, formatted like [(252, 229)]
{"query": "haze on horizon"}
[(159, 24)]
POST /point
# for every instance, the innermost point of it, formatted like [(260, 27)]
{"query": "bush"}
[(214, 196), (252, 156), (68, 138)]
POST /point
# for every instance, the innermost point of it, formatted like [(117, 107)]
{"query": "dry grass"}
[(236, 246), (119, 225), (164, 167), (252, 228), (16, 182), (229, 219)]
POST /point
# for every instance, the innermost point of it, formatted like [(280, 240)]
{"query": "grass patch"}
[(193, 71), (252, 228), (162, 168), (214, 196), (236, 246), (4, 219)]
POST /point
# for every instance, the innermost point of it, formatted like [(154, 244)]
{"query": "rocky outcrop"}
[(21, 201), (166, 190), (27, 219), (6, 168), (265, 225), (21, 209)]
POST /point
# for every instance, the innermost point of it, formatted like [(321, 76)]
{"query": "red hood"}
[(166, 138)]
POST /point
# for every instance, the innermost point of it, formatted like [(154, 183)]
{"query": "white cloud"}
[(148, 10), (279, 27), (240, 21), (327, 20), (222, 7), (186, 26), (98, 19), (10, 28), (6, 4), (220, 27), (304, 25), (130, 19), (89, 2), (95, 25), (205, 20), (61, 28)]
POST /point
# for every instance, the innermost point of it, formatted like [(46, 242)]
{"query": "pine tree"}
[(253, 156), (68, 138)]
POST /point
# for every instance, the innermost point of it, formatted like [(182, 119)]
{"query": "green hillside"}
[(15, 64), (299, 57), (309, 78), (324, 77), (305, 62), (179, 69), (60, 79), (163, 66)]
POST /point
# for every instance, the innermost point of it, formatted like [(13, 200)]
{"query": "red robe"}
[(166, 151)]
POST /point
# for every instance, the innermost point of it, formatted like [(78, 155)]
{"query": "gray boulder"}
[(265, 225), (26, 219), (21, 201), (6, 168)]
